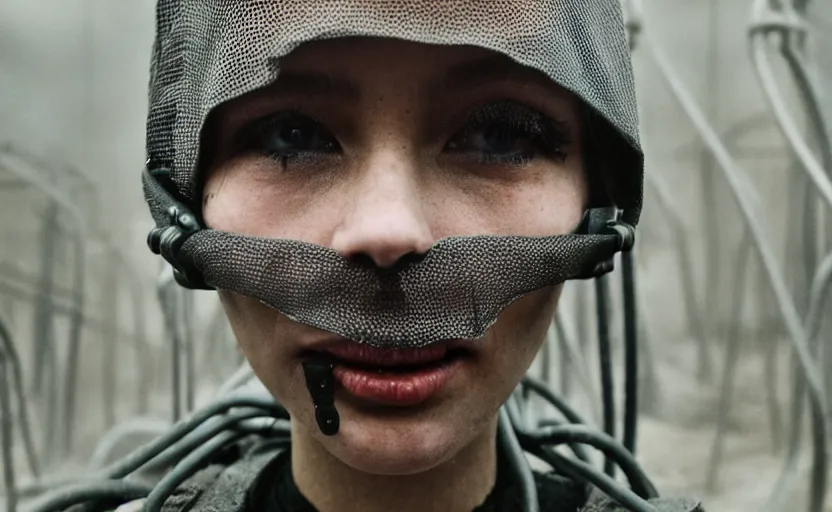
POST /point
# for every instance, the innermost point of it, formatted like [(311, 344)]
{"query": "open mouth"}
[(391, 367), (397, 377), (367, 358)]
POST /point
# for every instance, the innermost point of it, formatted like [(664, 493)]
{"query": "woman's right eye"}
[(287, 135)]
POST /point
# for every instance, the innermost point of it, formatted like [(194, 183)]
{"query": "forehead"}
[(352, 64), (209, 52)]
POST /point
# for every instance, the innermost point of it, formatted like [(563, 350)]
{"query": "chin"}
[(394, 444)]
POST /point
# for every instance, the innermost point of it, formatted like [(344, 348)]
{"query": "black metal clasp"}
[(607, 221), (167, 242)]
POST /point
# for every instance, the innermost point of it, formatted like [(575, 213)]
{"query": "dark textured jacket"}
[(227, 488)]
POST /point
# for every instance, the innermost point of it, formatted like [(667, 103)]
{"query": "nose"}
[(384, 219)]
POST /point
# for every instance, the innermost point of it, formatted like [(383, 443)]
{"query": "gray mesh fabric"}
[(456, 291), (211, 51)]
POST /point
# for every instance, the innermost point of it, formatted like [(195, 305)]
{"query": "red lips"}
[(366, 355), (394, 377)]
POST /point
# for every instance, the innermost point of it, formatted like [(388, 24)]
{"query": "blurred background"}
[(80, 293)]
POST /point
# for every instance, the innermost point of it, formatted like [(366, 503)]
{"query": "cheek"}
[(517, 336), (260, 332), (542, 200)]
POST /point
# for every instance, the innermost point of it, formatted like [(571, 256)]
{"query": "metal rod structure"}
[(6, 433), (766, 21), (797, 335), (679, 231), (74, 351), (42, 312), (109, 359), (602, 295), (771, 371), (819, 295), (80, 234), (8, 350), (713, 290), (729, 369)]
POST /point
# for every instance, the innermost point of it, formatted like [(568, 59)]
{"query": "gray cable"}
[(516, 458), (187, 467)]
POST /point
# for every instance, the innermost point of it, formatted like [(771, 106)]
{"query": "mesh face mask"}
[(210, 51)]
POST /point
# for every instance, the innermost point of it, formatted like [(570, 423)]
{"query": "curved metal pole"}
[(821, 286), (74, 352), (137, 306), (9, 351), (713, 291), (6, 426), (679, 231), (43, 310), (809, 91), (762, 65), (80, 235), (772, 372), (109, 359), (732, 356), (797, 335)]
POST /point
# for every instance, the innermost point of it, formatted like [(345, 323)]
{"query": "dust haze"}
[(80, 293)]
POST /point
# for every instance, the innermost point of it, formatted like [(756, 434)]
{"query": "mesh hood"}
[(210, 51)]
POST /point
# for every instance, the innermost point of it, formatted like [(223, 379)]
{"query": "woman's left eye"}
[(509, 133)]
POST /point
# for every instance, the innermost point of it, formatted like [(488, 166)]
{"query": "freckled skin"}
[(393, 190)]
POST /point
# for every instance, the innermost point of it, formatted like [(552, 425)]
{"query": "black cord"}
[(186, 468), (602, 294), (105, 490), (568, 412), (515, 456), (630, 351), (201, 435), (144, 454), (516, 421), (614, 451), (583, 472)]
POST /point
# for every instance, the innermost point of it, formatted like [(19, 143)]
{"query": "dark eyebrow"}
[(315, 84), (493, 68)]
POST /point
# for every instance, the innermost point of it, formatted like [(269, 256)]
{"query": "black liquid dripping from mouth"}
[(320, 382)]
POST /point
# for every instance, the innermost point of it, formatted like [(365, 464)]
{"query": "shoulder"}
[(219, 486), (600, 502)]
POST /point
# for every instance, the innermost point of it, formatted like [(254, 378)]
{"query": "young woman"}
[(338, 150)]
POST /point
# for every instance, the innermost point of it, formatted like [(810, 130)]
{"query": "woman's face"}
[(377, 149)]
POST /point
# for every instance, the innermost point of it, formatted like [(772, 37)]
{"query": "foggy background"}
[(73, 89)]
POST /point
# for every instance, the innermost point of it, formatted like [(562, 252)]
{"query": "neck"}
[(458, 485)]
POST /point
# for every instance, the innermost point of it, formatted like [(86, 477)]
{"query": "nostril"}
[(411, 258), (401, 263)]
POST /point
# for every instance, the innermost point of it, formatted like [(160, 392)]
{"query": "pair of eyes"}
[(496, 133)]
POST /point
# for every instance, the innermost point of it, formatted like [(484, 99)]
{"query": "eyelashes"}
[(510, 133), (286, 136), (501, 133)]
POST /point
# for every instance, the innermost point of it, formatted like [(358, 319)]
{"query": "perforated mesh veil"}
[(210, 51)]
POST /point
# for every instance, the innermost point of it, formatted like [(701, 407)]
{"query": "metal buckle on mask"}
[(167, 241), (607, 221)]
